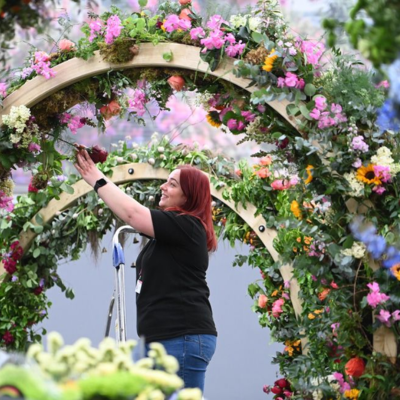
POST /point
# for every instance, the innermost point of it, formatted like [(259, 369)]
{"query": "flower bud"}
[(176, 82)]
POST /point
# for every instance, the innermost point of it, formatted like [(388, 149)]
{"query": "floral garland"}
[(339, 163)]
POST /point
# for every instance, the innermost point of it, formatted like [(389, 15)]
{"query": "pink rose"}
[(66, 45), (176, 82), (262, 301), (185, 14)]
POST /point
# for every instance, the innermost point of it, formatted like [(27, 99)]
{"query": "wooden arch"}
[(78, 69), (185, 57)]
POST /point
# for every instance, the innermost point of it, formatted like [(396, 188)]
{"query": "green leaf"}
[(142, 3), (310, 89), (168, 56), (305, 112), (67, 188), (257, 37), (36, 253)]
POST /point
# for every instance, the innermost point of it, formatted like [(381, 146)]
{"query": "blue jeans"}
[(193, 353)]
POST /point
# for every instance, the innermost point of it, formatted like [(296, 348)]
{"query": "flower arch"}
[(329, 160)]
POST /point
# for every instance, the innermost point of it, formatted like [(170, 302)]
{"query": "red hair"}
[(196, 188)]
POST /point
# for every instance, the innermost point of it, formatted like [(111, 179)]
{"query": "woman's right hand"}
[(86, 167)]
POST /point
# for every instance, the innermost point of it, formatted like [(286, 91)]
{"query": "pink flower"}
[(31, 188), (184, 2), (230, 38), (312, 51), (3, 89), (214, 41), (396, 315), (384, 317), (95, 28), (281, 82), (232, 124), (113, 29), (66, 45), (320, 103), (136, 104), (41, 65), (176, 82), (280, 184), (173, 23), (379, 189), (384, 84), (110, 110), (357, 163), (248, 116), (184, 14), (215, 22), (197, 33), (41, 56), (315, 113), (291, 79), (6, 202), (34, 147), (277, 307), (374, 298), (383, 172)]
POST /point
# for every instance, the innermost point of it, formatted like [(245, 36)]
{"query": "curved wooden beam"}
[(78, 69), (144, 171)]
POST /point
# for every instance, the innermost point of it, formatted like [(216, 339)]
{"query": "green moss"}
[(118, 52)]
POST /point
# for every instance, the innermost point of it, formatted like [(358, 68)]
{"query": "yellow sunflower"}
[(213, 119), (396, 271), (367, 175), (269, 61)]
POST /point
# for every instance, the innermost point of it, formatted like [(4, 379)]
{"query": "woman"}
[(172, 292)]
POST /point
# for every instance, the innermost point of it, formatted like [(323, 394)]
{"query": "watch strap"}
[(99, 183)]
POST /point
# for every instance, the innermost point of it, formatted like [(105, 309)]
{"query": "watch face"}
[(101, 182)]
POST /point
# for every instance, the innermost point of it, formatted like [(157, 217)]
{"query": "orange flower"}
[(275, 293), (355, 367), (185, 14), (307, 239), (295, 209), (311, 316), (110, 110), (267, 160), (309, 174), (269, 61), (323, 294), (263, 173), (396, 271), (213, 119), (262, 301), (298, 240), (176, 82), (320, 311)]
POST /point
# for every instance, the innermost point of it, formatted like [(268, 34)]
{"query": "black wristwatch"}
[(100, 183)]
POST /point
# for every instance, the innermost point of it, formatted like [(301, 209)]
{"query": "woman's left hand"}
[(87, 168)]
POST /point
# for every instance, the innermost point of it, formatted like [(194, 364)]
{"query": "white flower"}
[(128, 137), (163, 157), (383, 157), (155, 136), (135, 145), (101, 211), (134, 157), (54, 342), (160, 149), (151, 198), (213, 203), (114, 145), (255, 23), (318, 395), (237, 20), (151, 161), (119, 159), (75, 216), (357, 187), (357, 250), (17, 118)]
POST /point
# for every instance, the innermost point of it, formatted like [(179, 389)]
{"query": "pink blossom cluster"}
[(6, 202), (95, 29), (113, 29), (312, 50), (173, 23), (137, 102), (34, 147), (11, 258), (284, 184), (3, 89), (327, 116), (388, 318), (234, 124), (217, 38), (277, 307), (358, 143), (383, 173), (41, 65), (341, 382), (375, 297), (74, 122), (291, 80), (317, 249)]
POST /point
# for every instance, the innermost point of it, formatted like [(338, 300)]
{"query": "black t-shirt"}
[(173, 300)]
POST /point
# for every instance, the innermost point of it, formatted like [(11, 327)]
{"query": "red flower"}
[(276, 390), (10, 265), (176, 82), (110, 110), (355, 367), (97, 154), (32, 188), (283, 383), (8, 338), (38, 290)]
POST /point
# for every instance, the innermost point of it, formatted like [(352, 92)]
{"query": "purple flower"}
[(358, 144), (34, 147)]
